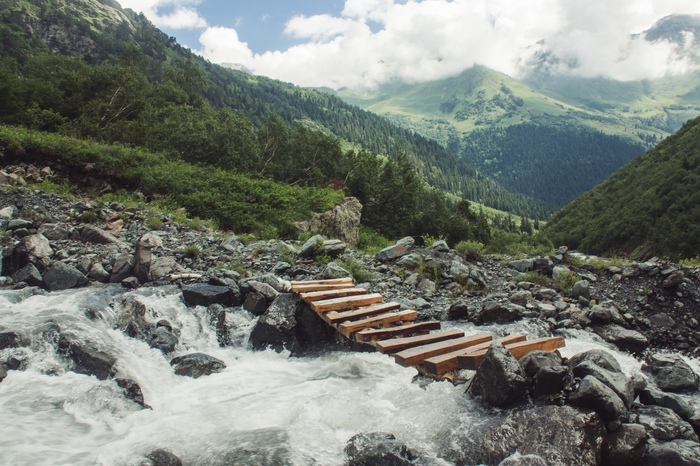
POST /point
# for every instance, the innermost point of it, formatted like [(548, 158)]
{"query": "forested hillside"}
[(650, 207), (100, 35)]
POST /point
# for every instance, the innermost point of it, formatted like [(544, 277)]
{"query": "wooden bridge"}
[(365, 317)]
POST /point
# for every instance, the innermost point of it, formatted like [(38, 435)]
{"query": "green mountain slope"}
[(650, 207), (476, 115), (100, 32)]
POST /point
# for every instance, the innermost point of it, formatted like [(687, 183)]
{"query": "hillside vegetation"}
[(650, 207)]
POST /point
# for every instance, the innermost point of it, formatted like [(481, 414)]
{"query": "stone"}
[(255, 303), (546, 294), (377, 448), (18, 223), (493, 311), (62, 276), (86, 359), (616, 381), (626, 446), (593, 394), (671, 373), (440, 246), (132, 391), (663, 425), (309, 248), (163, 458), (122, 268), (204, 294), (28, 274), (9, 340), (673, 453), (333, 270), (678, 405), (275, 282), (334, 247), (581, 289), (521, 265), (662, 320), (499, 380), (163, 339), (598, 357), (33, 249), (264, 289), (560, 435), (162, 267), (98, 273), (559, 271), (625, 339), (550, 380), (142, 263), (523, 460), (6, 213), (520, 298), (3, 372), (401, 248), (535, 360), (342, 222), (197, 365), (217, 317), (92, 234), (547, 310), (673, 280), (459, 310), (230, 244), (130, 283), (54, 232)]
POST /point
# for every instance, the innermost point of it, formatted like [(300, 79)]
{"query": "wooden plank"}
[(395, 345), (329, 294), (472, 360), (398, 331), (320, 287), (334, 316), (348, 302), (439, 365), (381, 320), (417, 355), (332, 281)]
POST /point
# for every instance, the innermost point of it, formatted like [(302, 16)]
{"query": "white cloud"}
[(375, 41), (181, 16)]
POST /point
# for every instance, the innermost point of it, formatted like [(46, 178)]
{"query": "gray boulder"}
[(626, 446), (255, 303), (342, 221), (593, 394), (671, 373), (162, 338), (401, 248), (662, 424), (493, 311), (523, 460), (54, 232), (28, 274), (561, 435), (521, 265), (204, 294), (196, 365), (308, 249), (122, 268), (673, 453), (92, 234), (678, 405), (87, 359), (535, 360), (162, 457), (616, 381), (598, 357), (377, 448), (581, 289), (62, 276), (625, 339), (551, 380), (10, 340), (499, 380)]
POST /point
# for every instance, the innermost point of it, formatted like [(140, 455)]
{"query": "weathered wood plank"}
[(348, 302), (439, 365), (360, 313), (381, 320), (398, 331), (320, 287), (331, 281), (417, 355), (330, 294), (472, 360), (395, 345)]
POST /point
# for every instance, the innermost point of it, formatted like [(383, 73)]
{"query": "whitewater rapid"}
[(265, 408)]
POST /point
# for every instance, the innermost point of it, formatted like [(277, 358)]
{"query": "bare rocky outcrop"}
[(342, 222)]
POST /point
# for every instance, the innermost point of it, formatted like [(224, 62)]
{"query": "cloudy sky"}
[(363, 43)]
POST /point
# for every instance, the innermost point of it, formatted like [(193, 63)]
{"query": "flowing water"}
[(265, 408)]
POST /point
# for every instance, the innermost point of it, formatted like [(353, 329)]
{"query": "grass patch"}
[(691, 262), (471, 250), (63, 189), (192, 251), (371, 242), (357, 269), (519, 245)]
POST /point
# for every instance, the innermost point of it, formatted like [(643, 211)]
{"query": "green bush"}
[(371, 242), (472, 250), (516, 244), (193, 251), (357, 269)]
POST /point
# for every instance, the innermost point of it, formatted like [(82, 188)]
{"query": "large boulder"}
[(204, 294), (626, 446), (593, 394), (673, 453), (28, 274), (499, 380), (401, 248), (616, 381), (671, 373), (62, 276), (561, 435), (625, 339), (377, 448), (32, 249), (87, 359), (342, 222), (143, 257), (196, 365), (92, 234), (678, 405), (662, 424), (501, 313), (162, 457)]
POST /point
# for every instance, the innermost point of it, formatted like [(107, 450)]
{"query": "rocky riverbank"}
[(52, 244)]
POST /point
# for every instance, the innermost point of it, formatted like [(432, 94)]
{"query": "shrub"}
[(472, 250), (357, 269), (371, 242), (88, 216), (193, 251)]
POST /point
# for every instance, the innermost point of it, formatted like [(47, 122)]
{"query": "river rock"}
[(616, 381), (625, 339), (561, 435), (163, 458), (34, 249), (523, 460), (401, 248), (162, 338), (9, 340), (673, 280), (593, 394), (308, 249), (264, 289), (86, 359), (678, 405), (499, 380), (217, 317), (122, 268), (92, 234), (132, 391), (28, 274), (598, 357), (581, 289), (204, 294), (459, 310), (3, 372), (626, 446), (196, 365), (98, 273), (276, 327), (377, 448), (535, 360), (663, 424), (493, 311), (671, 373), (255, 303), (551, 380), (54, 232), (673, 453), (62, 276)]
